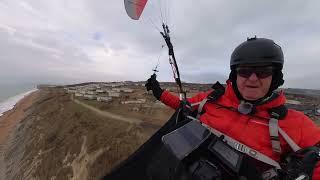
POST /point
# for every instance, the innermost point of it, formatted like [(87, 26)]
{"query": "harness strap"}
[(275, 114), (202, 103), (241, 147), (291, 143), (195, 104), (213, 96), (274, 136)]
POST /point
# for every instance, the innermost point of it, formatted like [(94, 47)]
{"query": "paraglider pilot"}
[(250, 110)]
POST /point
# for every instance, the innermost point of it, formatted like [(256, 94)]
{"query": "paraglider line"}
[(161, 12), (167, 12), (154, 25), (158, 63), (156, 17)]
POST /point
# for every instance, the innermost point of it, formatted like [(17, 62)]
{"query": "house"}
[(78, 94), (104, 99), (142, 100), (71, 91), (91, 92), (126, 90), (91, 88), (113, 94), (89, 97), (289, 101), (132, 102), (116, 90), (100, 91)]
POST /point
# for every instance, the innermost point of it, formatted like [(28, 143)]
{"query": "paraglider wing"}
[(134, 8)]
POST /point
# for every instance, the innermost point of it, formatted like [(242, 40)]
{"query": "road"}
[(107, 114)]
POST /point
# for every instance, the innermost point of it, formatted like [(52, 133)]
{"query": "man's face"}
[(254, 81)]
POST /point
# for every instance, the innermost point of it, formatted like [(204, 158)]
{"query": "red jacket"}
[(253, 131)]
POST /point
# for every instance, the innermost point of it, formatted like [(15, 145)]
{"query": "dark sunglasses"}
[(261, 72)]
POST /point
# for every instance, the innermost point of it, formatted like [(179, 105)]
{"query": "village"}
[(102, 92), (134, 94), (107, 92)]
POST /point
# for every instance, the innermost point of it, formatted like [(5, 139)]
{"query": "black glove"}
[(301, 163), (185, 108), (153, 84)]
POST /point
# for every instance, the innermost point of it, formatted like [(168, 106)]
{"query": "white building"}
[(100, 91), (91, 92), (116, 90), (132, 102), (142, 100), (78, 95), (127, 90), (71, 91), (90, 97), (290, 101), (104, 99), (114, 94)]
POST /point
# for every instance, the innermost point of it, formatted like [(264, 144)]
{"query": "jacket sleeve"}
[(316, 172), (310, 133), (173, 101), (310, 136)]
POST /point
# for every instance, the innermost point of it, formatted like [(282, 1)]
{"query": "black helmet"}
[(257, 50)]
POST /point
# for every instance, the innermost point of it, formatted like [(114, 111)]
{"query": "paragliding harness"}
[(197, 151)]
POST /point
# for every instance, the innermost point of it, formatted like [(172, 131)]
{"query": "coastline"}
[(10, 103), (9, 122)]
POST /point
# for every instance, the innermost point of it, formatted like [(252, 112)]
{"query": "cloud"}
[(97, 36), (64, 41)]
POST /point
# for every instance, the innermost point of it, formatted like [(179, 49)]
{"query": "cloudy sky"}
[(69, 41)]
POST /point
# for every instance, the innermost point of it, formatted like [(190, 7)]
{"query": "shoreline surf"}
[(10, 103)]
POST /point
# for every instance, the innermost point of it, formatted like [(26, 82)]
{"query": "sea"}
[(11, 94)]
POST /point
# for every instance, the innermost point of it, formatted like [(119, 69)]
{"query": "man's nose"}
[(253, 77)]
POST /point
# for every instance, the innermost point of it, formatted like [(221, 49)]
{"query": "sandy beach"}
[(9, 122)]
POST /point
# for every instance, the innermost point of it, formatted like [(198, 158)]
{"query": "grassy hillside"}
[(61, 140)]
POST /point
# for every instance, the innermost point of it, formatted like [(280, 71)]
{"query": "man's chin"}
[(251, 97)]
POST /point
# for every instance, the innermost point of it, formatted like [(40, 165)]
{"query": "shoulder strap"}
[(274, 133), (218, 91), (277, 114), (280, 112)]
